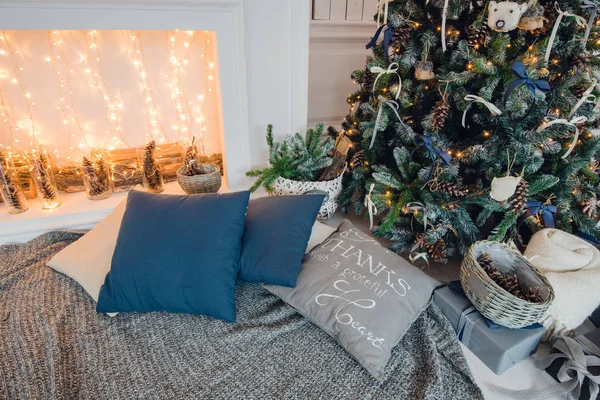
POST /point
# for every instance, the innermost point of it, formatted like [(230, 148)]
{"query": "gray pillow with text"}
[(363, 295)]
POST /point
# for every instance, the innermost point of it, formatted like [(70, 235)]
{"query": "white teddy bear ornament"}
[(505, 16)]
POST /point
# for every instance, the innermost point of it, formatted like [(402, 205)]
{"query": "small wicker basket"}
[(492, 301), (331, 189), (205, 183)]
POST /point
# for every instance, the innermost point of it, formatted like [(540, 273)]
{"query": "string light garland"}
[(111, 106), (17, 80), (152, 118), (182, 126), (8, 119), (56, 52)]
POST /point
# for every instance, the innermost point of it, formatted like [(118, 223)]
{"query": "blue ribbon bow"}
[(522, 78), (547, 210), (427, 143), (387, 40)]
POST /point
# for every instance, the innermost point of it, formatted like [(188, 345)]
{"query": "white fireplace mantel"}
[(262, 49)]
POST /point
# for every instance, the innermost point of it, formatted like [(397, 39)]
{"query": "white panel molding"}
[(341, 31), (299, 53), (336, 49)]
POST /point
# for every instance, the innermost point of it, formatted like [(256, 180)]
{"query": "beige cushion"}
[(319, 233), (88, 260)]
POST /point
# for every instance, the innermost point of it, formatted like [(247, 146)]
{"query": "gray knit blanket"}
[(53, 345)]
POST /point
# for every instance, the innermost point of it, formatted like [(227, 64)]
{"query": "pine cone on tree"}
[(400, 37), (440, 113), (357, 160), (581, 61), (368, 80), (435, 250), (590, 207), (479, 37), (453, 189), (520, 197)]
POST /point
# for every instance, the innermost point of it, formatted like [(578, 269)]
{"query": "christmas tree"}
[(475, 119)]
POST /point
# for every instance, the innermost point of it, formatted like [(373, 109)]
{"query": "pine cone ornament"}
[(579, 91), (479, 37), (11, 190), (45, 185), (192, 168), (436, 250), (581, 61), (358, 159), (510, 283), (368, 80), (520, 197), (452, 189), (400, 37), (441, 112), (590, 207)]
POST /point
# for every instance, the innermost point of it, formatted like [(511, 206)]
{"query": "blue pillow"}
[(178, 254), (275, 238)]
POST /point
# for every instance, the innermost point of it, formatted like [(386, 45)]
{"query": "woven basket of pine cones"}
[(204, 183), (526, 295)]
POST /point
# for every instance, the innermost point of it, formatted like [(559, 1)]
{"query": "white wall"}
[(337, 47)]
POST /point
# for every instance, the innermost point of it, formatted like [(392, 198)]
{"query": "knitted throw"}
[(572, 267), (53, 345)]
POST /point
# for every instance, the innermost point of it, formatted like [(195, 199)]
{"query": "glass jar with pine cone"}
[(96, 178), (44, 178), (10, 188), (152, 176)]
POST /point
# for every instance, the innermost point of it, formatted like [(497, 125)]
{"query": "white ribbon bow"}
[(391, 69), (413, 257), (380, 5), (393, 106), (579, 20), (593, 5), (476, 99), (444, 17), (573, 122), (416, 206), (370, 206), (587, 97)]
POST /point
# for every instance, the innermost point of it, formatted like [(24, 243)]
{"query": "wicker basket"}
[(331, 189), (206, 183), (492, 301)]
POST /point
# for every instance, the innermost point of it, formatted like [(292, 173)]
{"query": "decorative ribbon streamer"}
[(536, 207), (579, 20), (476, 99), (413, 257), (573, 122), (393, 106), (427, 144), (385, 14), (467, 320), (594, 10), (370, 205), (416, 206), (587, 97), (387, 40), (444, 17), (391, 69), (523, 79)]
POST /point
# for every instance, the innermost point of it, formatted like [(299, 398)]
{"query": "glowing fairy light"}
[(17, 80), (155, 128), (99, 83)]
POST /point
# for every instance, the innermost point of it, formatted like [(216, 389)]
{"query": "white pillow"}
[(88, 260), (319, 233)]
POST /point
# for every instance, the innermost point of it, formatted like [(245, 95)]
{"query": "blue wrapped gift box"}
[(499, 348)]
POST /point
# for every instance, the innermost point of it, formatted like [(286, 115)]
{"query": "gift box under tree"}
[(499, 348)]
